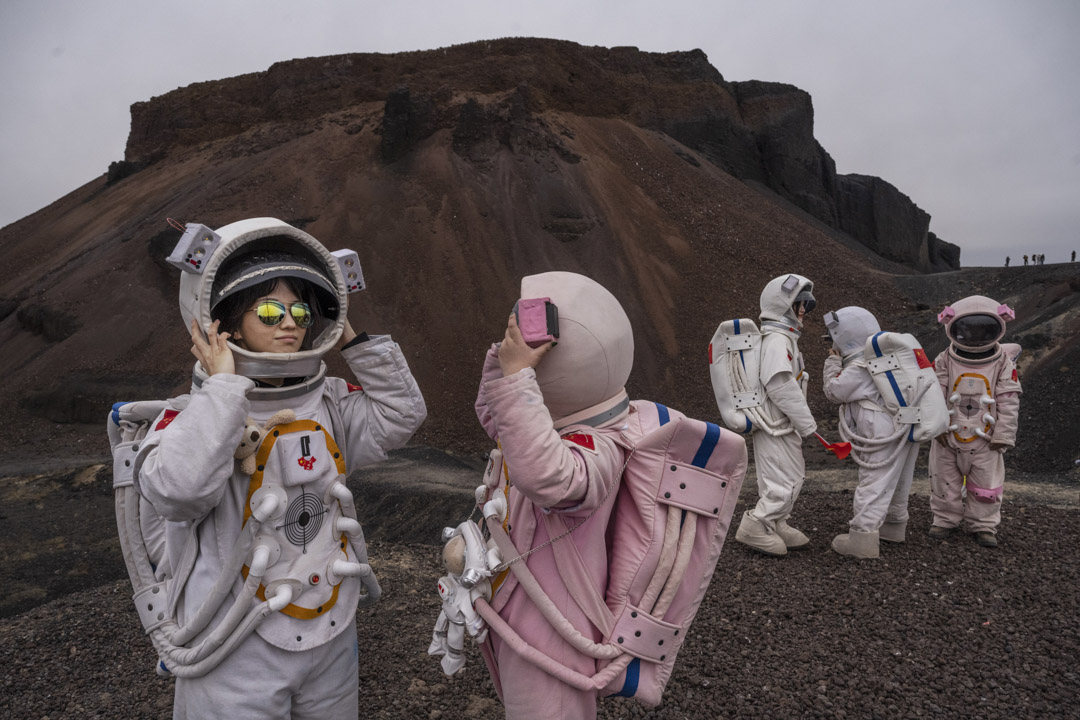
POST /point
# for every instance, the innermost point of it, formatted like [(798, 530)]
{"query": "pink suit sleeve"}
[(491, 371), (549, 471), (1008, 406)]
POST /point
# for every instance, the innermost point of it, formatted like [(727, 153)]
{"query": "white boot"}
[(758, 535), (893, 532), (857, 544), (794, 539)]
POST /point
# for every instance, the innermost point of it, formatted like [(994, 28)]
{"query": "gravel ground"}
[(929, 630)]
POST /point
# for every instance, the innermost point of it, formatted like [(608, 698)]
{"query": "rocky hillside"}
[(453, 173), (756, 131)]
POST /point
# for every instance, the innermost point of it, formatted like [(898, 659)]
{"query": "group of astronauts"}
[(242, 538), (976, 386)]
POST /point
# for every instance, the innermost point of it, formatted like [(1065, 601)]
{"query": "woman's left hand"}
[(515, 354)]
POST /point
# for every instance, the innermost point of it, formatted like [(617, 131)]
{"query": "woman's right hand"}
[(515, 354), (213, 353)]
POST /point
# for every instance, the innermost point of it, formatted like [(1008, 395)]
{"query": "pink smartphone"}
[(538, 320)]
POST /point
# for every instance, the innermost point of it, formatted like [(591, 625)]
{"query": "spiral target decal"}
[(303, 519)]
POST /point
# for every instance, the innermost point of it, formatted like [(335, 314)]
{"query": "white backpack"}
[(904, 377), (734, 360)]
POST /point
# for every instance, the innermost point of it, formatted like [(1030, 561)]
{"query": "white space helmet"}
[(781, 293), (252, 251), (975, 323), (850, 327), (583, 376)]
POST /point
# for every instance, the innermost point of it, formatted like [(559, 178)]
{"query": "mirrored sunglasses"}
[(272, 312)]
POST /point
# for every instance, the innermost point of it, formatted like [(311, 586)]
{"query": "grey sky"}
[(970, 107)]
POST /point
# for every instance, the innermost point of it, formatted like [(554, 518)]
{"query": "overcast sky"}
[(971, 108)]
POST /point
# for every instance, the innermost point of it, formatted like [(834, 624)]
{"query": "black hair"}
[(230, 311)]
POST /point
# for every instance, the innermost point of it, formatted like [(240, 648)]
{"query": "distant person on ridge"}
[(1073, 256), (1006, 261), (967, 465), (1025, 260)]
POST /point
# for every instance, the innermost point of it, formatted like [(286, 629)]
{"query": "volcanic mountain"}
[(453, 173)]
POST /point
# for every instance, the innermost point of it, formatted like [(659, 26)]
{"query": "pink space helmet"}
[(583, 377), (976, 323)]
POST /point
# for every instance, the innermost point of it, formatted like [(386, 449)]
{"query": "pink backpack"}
[(671, 515)]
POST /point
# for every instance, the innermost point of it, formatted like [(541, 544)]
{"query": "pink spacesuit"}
[(579, 382), (979, 380)]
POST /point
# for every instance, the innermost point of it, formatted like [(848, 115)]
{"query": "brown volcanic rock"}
[(453, 173), (755, 130)]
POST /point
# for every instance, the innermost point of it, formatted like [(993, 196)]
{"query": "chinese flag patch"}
[(168, 418), (354, 388), (1016, 377), (920, 357), (585, 441), (710, 353)]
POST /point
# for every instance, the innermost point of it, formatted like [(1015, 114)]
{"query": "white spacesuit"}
[(885, 472), (778, 457), (291, 523), (979, 380)]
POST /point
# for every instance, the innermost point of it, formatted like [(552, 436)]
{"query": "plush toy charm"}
[(471, 563), (253, 435)]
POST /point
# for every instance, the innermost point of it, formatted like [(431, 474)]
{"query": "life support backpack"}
[(142, 540), (672, 511), (907, 383), (906, 380), (734, 361)]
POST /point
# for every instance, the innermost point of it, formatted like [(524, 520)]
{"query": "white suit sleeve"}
[(786, 394), (846, 385), (184, 467), (549, 471), (387, 410)]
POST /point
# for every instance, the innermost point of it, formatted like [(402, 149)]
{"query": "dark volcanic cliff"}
[(754, 130)]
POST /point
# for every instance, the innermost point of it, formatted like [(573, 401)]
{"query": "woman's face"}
[(285, 337)]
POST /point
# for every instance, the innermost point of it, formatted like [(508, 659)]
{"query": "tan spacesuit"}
[(979, 380)]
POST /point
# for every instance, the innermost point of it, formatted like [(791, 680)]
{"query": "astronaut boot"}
[(793, 538), (857, 544), (940, 532), (759, 535), (893, 532), (985, 538)]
